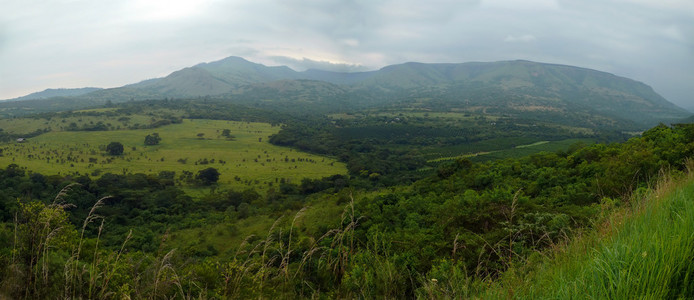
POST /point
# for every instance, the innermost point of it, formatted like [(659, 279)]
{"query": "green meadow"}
[(107, 118), (245, 159)]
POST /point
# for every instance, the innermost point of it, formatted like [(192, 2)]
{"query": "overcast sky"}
[(81, 43)]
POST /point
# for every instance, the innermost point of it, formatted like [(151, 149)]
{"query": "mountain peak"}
[(228, 62)]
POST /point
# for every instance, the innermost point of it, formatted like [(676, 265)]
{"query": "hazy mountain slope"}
[(49, 93), (205, 79), (341, 78), (236, 71), (189, 82), (601, 92), (299, 96)]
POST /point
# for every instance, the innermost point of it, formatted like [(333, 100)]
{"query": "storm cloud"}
[(77, 43)]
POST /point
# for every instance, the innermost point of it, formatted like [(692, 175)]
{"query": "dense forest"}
[(459, 221)]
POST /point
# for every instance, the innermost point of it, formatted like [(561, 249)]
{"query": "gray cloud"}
[(306, 63), (3, 38), (74, 43)]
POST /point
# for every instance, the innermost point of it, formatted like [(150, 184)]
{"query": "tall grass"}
[(642, 251)]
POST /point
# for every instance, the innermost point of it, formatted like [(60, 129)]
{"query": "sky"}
[(110, 43)]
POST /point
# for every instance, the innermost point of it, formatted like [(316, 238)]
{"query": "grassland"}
[(247, 159), (78, 120)]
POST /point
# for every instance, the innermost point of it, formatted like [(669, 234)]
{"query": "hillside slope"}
[(641, 252), (524, 85), (205, 79), (50, 93)]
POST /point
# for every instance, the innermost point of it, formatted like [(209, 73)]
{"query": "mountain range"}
[(507, 87)]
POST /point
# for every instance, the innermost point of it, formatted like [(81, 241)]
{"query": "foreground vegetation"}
[(642, 249), (446, 235)]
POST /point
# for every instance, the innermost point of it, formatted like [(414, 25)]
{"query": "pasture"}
[(86, 120), (246, 159)]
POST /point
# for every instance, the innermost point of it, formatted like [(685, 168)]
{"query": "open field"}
[(96, 119), (186, 148)]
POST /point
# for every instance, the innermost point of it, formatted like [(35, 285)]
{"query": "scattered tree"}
[(208, 176), (152, 139), (115, 148)]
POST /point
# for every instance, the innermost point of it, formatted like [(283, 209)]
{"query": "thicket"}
[(107, 238)]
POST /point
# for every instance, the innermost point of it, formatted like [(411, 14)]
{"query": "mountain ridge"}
[(513, 83), (59, 92)]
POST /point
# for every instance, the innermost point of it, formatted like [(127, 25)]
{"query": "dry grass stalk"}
[(74, 259), (285, 258), (164, 264), (115, 264)]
